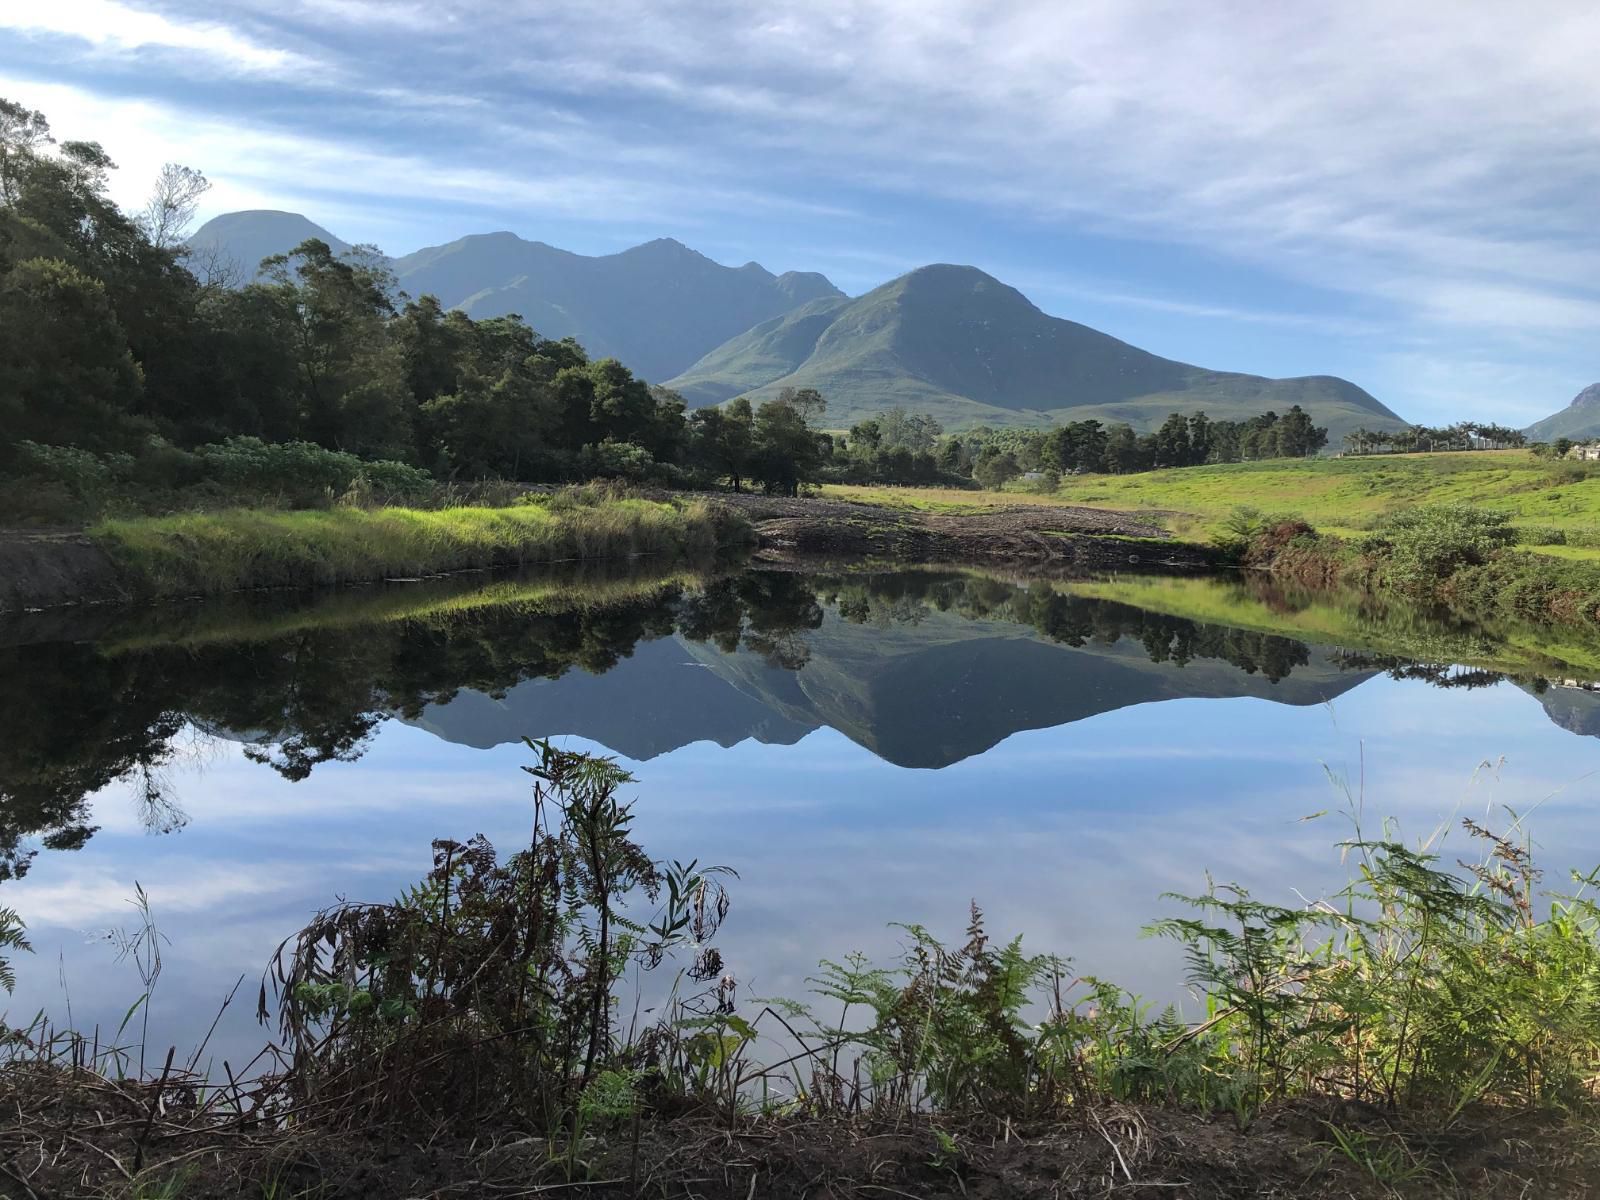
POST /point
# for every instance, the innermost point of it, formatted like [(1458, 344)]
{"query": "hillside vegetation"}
[(1334, 494), (960, 345)]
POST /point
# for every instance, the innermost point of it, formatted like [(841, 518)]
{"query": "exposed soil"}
[(1088, 538), (44, 569), (97, 1138)]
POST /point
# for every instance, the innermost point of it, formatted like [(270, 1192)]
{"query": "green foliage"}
[(13, 936), (500, 975), (1421, 546)]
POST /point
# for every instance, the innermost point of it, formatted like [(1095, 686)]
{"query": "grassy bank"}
[(1334, 494), (1431, 1029), (205, 553)]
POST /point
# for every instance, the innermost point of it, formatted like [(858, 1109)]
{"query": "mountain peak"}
[(1588, 398), (1579, 420)]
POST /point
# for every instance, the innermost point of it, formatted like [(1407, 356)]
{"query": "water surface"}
[(861, 749)]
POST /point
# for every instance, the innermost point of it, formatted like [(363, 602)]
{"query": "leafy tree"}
[(787, 452), (66, 373), (351, 373), (995, 467), (723, 441)]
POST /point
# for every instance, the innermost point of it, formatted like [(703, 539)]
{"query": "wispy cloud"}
[(115, 28), (1434, 161)]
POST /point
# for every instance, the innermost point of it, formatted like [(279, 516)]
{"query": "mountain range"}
[(947, 340), (924, 694), (1578, 420), (957, 343)]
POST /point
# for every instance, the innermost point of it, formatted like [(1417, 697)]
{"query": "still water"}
[(862, 750)]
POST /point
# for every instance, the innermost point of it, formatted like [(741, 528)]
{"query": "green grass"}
[(245, 548), (1353, 621), (1355, 493), (1344, 496)]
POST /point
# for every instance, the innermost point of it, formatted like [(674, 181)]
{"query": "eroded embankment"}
[(44, 570), (1090, 538)]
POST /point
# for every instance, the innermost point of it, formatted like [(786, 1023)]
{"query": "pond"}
[(862, 749)]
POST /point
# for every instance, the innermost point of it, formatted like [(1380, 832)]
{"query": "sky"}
[(1401, 194)]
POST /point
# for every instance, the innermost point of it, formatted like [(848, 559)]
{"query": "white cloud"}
[(1434, 161), (112, 27)]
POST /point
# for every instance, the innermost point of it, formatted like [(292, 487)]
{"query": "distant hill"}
[(1578, 420), (657, 307), (245, 238), (959, 344)]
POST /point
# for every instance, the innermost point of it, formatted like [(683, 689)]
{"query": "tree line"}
[(124, 347), (1463, 435)]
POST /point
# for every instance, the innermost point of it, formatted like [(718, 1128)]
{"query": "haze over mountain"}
[(947, 340), (957, 343), (656, 307), (1578, 420)]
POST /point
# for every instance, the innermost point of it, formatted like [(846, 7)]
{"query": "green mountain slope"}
[(1578, 420), (963, 346), (243, 239), (657, 307)]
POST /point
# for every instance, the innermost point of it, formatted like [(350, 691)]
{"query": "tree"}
[(352, 379), (787, 452), (994, 468), (172, 205), (808, 403), (722, 441), (1172, 442), (1199, 439), (66, 374), (1123, 453)]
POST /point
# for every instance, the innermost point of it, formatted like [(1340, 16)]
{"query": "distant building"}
[(1585, 452)]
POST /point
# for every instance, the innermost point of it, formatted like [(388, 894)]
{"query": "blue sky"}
[(1400, 194)]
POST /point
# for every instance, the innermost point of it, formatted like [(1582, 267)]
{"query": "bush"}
[(1541, 535), (300, 472), (1420, 547)]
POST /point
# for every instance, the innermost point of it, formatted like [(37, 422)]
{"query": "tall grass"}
[(243, 548)]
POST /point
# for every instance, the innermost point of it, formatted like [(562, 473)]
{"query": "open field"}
[(1337, 495)]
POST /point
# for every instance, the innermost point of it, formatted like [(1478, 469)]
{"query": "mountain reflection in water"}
[(924, 668)]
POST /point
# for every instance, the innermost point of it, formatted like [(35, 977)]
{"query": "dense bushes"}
[(63, 483), (1420, 547)]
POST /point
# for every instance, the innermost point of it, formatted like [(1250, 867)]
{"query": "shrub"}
[(301, 472), (1420, 547)]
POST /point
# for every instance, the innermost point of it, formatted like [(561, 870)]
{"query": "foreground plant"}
[(489, 987)]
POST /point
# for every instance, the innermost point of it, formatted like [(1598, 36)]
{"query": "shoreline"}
[(246, 550), (210, 554)]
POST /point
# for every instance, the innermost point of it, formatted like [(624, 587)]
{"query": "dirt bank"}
[(99, 1138), (42, 570), (1088, 538)]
